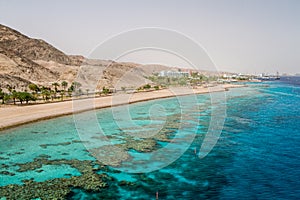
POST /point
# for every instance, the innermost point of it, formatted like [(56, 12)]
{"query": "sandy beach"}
[(17, 115)]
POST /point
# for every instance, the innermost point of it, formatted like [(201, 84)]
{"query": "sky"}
[(257, 36)]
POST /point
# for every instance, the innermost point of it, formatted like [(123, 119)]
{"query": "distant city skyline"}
[(239, 36)]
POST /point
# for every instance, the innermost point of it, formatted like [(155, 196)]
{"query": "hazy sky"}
[(239, 35)]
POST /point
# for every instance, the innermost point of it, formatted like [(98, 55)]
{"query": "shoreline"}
[(14, 116)]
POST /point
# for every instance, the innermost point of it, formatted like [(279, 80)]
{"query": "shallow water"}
[(256, 157)]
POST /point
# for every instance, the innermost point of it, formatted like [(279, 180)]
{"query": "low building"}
[(175, 74)]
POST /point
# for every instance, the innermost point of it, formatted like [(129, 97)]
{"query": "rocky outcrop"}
[(18, 82), (34, 49), (24, 68)]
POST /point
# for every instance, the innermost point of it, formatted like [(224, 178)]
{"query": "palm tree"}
[(75, 87), (53, 94), (64, 84), (7, 97), (55, 84), (105, 91), (33, 87), (14, 95), (2, 94), (62, 93), (9, 88), (70, 90), (45, 93)]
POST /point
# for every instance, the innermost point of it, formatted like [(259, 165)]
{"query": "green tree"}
[(33, 87), (62, 93), (55, 84), (7, 97), (21, 96), (105, 90), (70, 90), (2, 94), (79, 92), (64, 84), (52, 94), (147, 86), (45, 94), (29, 97), (14, 96), (182, 81), (76, 85)]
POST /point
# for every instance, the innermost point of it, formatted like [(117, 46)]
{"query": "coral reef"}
[(93, 176), (56, 188)]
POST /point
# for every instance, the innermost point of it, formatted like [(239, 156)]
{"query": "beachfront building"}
[(175, 74)]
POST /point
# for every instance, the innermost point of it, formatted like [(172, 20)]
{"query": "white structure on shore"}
[(176, 74)]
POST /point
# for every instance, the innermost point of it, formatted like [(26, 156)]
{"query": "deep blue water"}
[(256, 157)]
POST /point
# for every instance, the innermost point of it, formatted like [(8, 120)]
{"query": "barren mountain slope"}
[(34, 49), (24, 60)]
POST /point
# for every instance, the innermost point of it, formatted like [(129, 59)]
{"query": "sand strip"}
[(11, 116)]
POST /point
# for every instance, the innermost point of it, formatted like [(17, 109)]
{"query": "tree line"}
[(57, 91)]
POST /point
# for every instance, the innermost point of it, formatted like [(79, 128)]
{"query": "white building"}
[(176, 74)]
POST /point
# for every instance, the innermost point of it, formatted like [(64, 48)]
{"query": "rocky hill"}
[(24, 60), (20, 66), (33, 49)]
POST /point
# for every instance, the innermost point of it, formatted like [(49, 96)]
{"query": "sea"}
[(152, 148)]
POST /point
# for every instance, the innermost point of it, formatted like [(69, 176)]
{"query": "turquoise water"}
[(256, 156)]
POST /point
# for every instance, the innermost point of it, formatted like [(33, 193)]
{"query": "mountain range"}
[(25, 60)]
